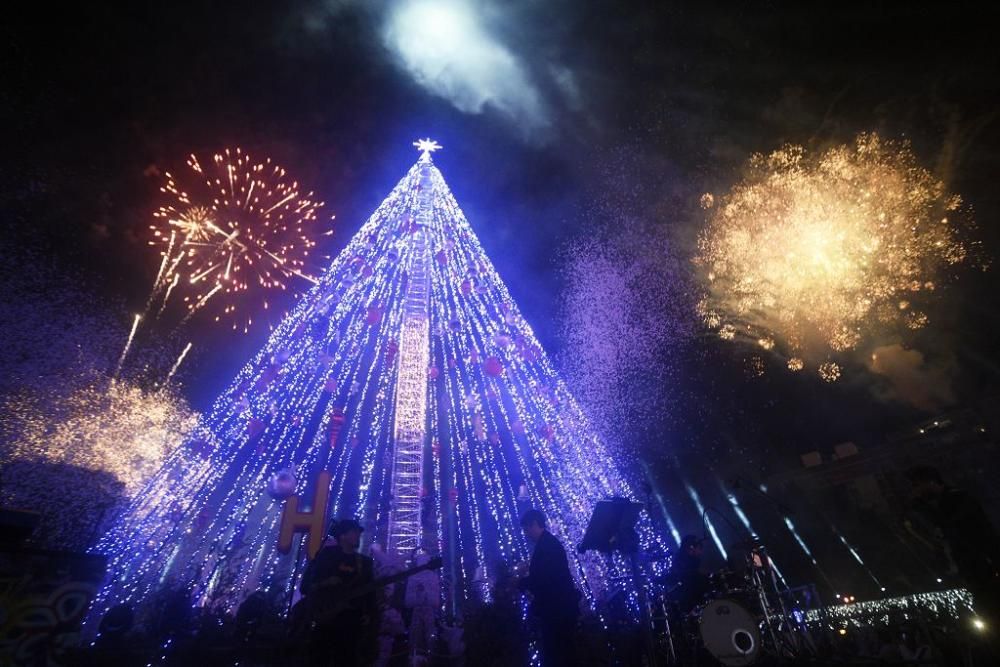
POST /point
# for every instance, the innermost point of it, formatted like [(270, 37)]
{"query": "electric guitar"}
[(330, 597)]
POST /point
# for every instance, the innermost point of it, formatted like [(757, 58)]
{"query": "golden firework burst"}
[(813, 253)]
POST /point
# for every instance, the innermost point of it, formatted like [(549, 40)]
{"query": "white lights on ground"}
[(954, 603)]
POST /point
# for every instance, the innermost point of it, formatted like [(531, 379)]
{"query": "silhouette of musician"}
[(685, 582), (555, 598), (347, 637)]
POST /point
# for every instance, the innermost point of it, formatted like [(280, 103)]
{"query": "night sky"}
[(640, 106)]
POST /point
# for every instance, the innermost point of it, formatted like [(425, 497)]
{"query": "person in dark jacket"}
[(686, 584), (348, 639), (555, 598)]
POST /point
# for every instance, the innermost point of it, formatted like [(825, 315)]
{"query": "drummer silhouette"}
[(686, 584)]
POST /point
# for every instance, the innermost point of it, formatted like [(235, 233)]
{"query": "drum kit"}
[(742, 618)]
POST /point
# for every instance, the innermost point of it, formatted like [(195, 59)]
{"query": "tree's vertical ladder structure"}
[(410, 430)]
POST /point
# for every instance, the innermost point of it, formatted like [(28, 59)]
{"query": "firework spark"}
[(122, 429), (78, 433), (829, 371), (812, 254), (78, 457), (623, 306), (238, 229)]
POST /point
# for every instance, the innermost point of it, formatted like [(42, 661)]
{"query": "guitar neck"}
[(391, 579)]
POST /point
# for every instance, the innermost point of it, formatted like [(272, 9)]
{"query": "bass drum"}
[(729, 632)]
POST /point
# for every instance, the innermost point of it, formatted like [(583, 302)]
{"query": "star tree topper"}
[(426, 147)]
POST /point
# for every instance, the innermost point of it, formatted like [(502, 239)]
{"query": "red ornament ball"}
[(493, 367), (255, 426)]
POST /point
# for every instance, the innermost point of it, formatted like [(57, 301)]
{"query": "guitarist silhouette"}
[(342, 628), (338, 615)]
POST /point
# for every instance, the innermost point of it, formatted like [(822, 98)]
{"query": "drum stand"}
[(645, 608), (770, 618), (667, 630), (786, 638)]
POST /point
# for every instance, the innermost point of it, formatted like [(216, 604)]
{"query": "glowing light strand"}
[(411, 391)]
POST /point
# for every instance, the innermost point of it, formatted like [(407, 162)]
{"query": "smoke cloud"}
[(911, 378), (474, 54), (448, 50)]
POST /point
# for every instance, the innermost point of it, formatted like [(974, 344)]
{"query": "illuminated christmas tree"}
[(410, 381)]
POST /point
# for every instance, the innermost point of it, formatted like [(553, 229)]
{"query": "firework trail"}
[(128, 344), (177, 364)]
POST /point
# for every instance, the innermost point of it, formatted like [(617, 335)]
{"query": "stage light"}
[(746, 524), (856, 555), (798, 538), (842, 631), (708, 522), (978, 624)]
